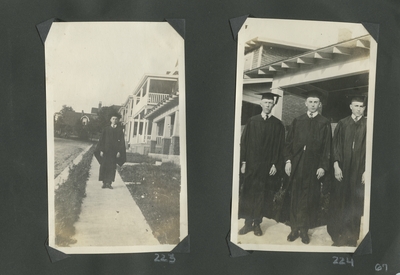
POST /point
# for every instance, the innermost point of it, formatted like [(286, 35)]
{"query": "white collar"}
[(265, 116), (312, 114), (356, 118)]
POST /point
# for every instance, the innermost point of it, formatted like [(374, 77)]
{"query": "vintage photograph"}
[(116, 137), (303, 135)]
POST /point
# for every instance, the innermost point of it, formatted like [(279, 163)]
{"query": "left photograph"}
[(116, 137)]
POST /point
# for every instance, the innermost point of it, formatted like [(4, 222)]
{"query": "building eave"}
[(286, 65)]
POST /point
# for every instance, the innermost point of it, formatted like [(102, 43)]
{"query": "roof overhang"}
[(155, 76), (343, 50)]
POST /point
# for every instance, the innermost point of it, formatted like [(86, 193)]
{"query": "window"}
[(140, 128), (135, 126), (161, 128)]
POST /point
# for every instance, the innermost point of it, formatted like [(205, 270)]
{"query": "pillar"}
[(174, 148), (277, 110), (166, 140)]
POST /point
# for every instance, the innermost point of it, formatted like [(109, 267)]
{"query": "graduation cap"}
[(269, 95)]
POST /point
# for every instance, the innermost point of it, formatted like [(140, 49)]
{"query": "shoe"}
[(109, 186), (294, 234), (104, 186), (245, 229), (257, 230), (304, 237)]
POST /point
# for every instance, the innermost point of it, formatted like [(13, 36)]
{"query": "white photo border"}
[(258, 27), (50, 111)]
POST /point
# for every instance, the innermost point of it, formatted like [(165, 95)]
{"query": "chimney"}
[(99, 105)]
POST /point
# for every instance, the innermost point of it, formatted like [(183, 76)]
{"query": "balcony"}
[(149, 99), (156, 98)]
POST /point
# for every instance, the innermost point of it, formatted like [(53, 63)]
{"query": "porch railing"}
[(156, 98)]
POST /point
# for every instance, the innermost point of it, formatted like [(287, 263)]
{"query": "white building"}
[(142, 135), (338, 71)]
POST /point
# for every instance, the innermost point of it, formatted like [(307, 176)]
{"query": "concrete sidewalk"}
[(276, 234), (110, 217)]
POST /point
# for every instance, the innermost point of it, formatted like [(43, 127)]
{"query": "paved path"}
[(110, 217), (276, 234)]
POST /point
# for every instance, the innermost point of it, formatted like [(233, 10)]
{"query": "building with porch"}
[(149, 115), (164, 140), (338, 71)]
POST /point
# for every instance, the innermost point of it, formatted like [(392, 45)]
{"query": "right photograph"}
[(303, 135)]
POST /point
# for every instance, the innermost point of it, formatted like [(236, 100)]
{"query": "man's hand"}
[(320, 173), (288, 168), (272, 171), (363, 178), (118, 155), (101, 154), (338, 173), (243, 168)]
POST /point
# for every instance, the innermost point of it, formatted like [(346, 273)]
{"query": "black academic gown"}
[(308, 147), (111, 142), (261, 146), (347, 196)]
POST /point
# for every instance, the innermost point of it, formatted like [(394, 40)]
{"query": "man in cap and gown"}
[(347, 192), (110, 151), (261, 157), (307, 157)]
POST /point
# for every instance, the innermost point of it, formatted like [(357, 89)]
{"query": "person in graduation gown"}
[(110, 151), (347, 192), (307, 157), (261, 156)]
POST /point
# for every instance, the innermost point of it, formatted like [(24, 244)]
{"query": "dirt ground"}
[(65, 151)]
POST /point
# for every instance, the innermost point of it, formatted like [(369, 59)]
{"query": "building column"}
[(153, 141), (138, 128), (145, 130), (166, 140), (129, 132), (175, 131), (174, 148), (277, 110)]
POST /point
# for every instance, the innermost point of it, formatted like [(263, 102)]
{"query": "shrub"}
[(68, 200)]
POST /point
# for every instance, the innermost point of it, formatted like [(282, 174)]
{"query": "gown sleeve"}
[(121, 148), (243, 143), (277, 152), (338, 144), (288, 150), (100, 147), (324, 162)]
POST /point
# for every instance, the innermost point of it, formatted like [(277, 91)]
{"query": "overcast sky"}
[(98, 61)]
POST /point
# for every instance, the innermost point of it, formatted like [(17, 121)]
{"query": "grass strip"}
[(156, 190), (138, 158), (68, 200)]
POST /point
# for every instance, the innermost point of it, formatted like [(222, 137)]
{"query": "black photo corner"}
[(210, 30)]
